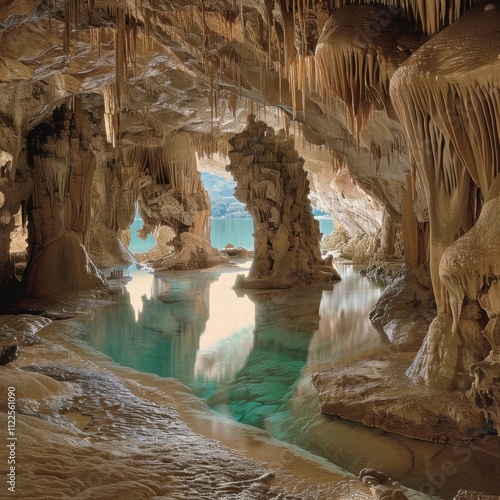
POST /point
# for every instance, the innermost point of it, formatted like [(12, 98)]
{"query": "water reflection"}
[(345, 332), (228, 338), (284, 324), (156, 325), (247, 355), (190, 326), (251, 357), (244, 354), (140, 291)]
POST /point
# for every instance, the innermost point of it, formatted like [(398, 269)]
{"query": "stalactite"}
[(147, 15), (429, 15), (121, 60), (288, 33), (111, 113), (96, 41), (350, 69), (147, 157), (206, 145)]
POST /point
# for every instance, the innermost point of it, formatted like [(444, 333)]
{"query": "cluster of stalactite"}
[(283, 36), (356, 66), (273, 184)]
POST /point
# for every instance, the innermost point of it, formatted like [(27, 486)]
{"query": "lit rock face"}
[(447, 97), (359, 216), (273, 185), (60, 205)]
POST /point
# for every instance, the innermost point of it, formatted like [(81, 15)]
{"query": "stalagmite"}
[(471, 268), (272, 183)]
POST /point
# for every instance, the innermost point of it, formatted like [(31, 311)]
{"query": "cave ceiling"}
[(146, 69), (201, 66)]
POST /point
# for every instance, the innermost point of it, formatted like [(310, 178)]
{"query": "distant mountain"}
[(224, 204), (221, 193)]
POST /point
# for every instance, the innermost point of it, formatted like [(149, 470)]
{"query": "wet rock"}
[(474, 495), (8, 353), (377, 393), (381, 486)]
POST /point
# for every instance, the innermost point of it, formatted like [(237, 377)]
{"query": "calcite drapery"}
[(60, 205), (447, 97), (355, 66), (169, 193), (272, 183)]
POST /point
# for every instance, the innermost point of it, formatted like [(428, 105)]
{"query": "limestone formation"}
[(469, 271), (108, 106), (446, 95), (166, 186), (59, 216), (273, 185)]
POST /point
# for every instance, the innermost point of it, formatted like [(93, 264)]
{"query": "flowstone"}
[(59, 215), (272, 183)]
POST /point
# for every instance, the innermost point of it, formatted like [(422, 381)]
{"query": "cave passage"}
[(231, 223)]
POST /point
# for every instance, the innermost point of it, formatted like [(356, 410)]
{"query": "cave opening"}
[(230, 223), (139, 242)]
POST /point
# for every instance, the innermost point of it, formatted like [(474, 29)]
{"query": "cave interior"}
[(385, 114)]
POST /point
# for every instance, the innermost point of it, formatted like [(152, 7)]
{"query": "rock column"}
[(59, 218), (272, 183)]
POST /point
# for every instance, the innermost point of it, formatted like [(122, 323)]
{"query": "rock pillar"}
[(59, 212), (272, 183)]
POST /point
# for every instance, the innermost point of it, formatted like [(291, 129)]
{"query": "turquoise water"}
[(243, 354), (239, 231), (251, 357), (223, 231)]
